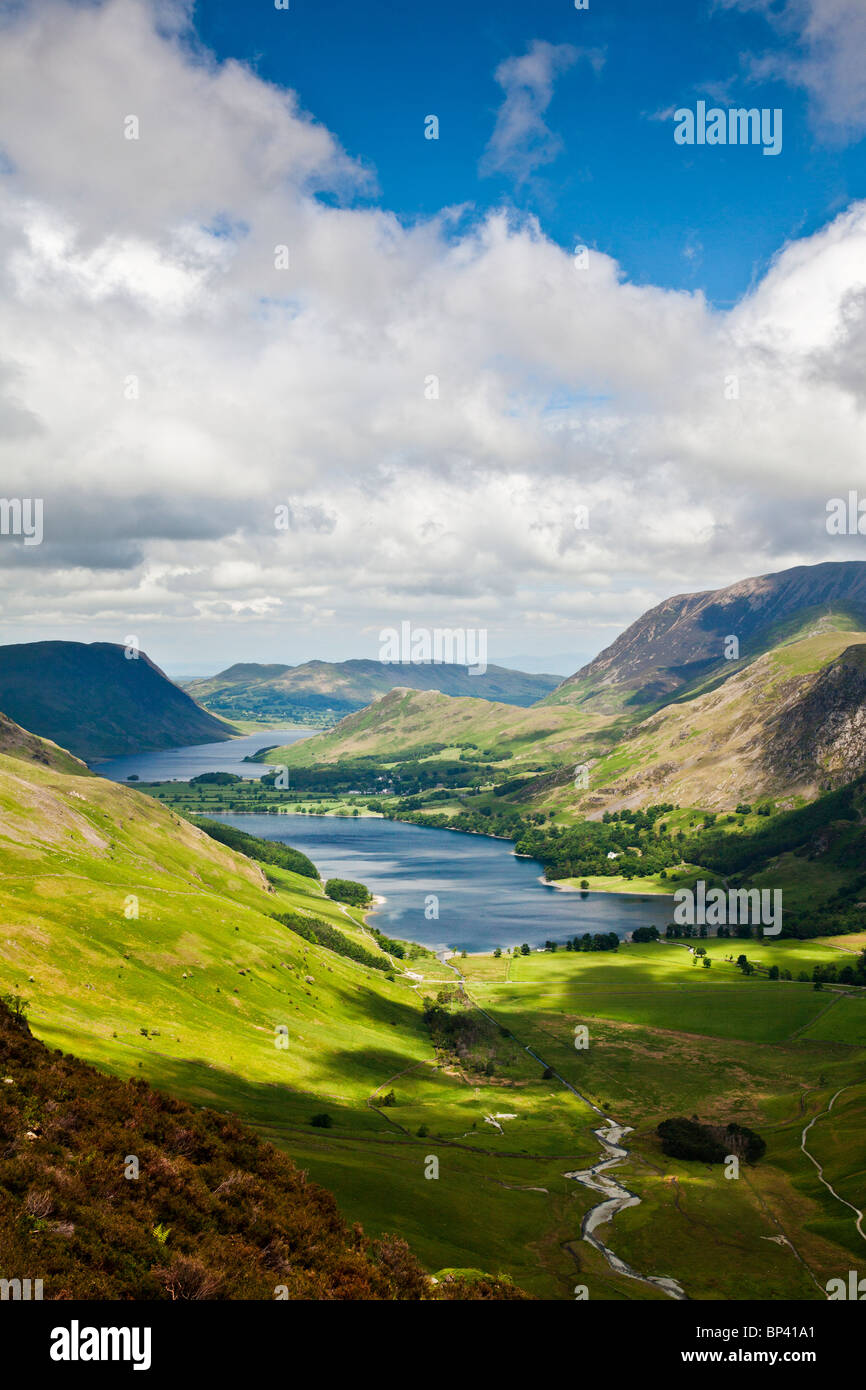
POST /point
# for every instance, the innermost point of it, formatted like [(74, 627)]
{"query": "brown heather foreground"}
[(216, 1213)]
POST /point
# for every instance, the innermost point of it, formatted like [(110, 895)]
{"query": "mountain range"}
[(682, 640), (755, 690), (325, 690)]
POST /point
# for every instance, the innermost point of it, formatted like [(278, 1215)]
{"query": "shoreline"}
[(563, 887)]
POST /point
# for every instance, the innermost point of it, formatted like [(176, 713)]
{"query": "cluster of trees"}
[(583, 850), (504, 821), (346, 890), (642, 934), (265, 851), (321, 933), (461, 1031), (852, 973), (601, 941), (682, 1138), (394, 948)]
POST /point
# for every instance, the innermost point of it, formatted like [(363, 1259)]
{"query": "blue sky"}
[(706, 219)]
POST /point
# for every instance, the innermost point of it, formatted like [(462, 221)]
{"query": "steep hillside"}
[(213, 1212), (682, 640), (94, 701), (790, 724), (324, 688), (718, 727), (405, 723), (146, 947), (16, 742)]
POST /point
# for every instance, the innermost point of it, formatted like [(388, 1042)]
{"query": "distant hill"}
[(682, 640), (91, 699), (405, 723), (325, 690)]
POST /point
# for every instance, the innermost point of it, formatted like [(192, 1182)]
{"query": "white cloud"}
[(825, 54), (258, 387), (521, 139)]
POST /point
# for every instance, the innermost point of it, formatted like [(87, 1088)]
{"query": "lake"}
[(181, 764), (486, 896)]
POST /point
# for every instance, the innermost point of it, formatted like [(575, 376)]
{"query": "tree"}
[(17, 1007), (524, 950), (345, 890)]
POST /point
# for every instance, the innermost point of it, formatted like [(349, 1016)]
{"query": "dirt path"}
[(857, 1212)]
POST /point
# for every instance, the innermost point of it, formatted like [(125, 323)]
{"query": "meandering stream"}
[(616, 1197)]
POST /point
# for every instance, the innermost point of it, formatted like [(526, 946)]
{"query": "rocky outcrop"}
[(821, 737)]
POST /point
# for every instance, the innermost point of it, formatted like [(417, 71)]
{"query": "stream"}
[(616, 1197)]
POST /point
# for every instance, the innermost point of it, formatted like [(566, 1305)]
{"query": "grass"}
[(683, 877), (208, 975)]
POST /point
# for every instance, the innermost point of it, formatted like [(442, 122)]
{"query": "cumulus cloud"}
[(194, 344), (824, 53)]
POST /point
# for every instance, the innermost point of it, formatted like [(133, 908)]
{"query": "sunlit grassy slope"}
[(150, 950)]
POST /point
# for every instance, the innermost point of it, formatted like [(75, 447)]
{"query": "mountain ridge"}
[(684, 636), (326, 688), (91, 699)]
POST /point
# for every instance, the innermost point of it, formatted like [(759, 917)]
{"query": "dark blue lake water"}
[(180, 764), (485, 895)]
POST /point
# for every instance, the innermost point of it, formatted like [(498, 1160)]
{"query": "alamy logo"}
[(457, 646), (76, 1343), (22, 516), (20, 1290), (737, 126), (855, 1289), (716, 908), (846, 516)]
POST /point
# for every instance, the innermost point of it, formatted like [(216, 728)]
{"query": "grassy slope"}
[(709, 751), (404, 720), (73, 853), (667, 1038)]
